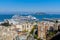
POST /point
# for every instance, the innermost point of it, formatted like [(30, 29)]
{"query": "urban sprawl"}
[(28, 28)]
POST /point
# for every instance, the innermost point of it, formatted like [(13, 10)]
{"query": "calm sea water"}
[(9, 16)]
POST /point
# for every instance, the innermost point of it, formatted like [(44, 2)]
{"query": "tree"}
[(34, 27), (5, 24)]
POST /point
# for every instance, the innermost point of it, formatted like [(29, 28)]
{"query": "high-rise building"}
[(42, 28)]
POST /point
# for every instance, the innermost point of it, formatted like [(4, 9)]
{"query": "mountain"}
[(40, 13)]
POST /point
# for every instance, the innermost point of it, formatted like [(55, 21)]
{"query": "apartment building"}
[(42, 28)]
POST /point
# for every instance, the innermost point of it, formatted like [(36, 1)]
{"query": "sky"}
[(30, 5)]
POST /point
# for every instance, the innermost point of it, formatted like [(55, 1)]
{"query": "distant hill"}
[(40, 13)]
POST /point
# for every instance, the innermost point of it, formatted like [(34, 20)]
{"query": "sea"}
[(38, 16)]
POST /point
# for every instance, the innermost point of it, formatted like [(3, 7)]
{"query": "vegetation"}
[(39, 39), (33, 29), (35, 36), (6, 23), (51, 34), (25, 31)]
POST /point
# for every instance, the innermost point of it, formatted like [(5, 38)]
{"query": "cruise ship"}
[(16, 19)]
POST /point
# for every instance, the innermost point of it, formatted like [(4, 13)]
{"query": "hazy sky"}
[(30, 5)]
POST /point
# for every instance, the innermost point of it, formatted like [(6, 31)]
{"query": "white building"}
[(24, 27)]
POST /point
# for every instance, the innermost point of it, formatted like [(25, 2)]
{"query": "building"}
[(23, 27), (42, 28), (21, 36)]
